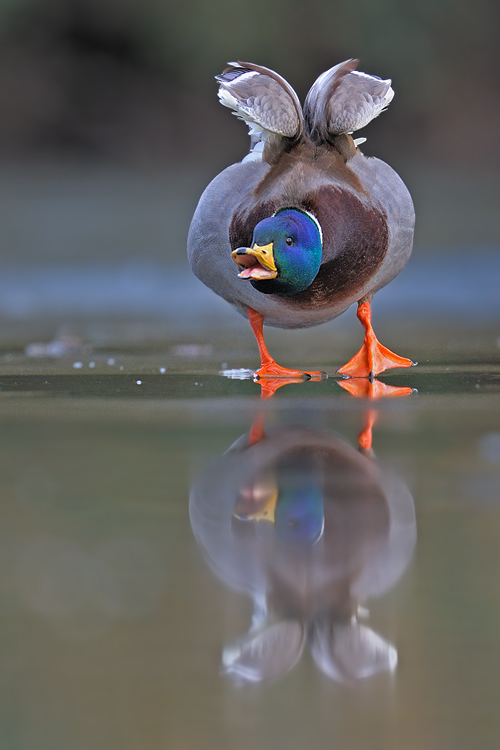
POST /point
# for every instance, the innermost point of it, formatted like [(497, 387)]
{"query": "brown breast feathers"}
[(355, 231)]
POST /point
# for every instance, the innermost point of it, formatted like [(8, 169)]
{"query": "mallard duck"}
[(305, 225), (309, 528)]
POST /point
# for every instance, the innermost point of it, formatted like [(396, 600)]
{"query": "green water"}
[(114, 621)]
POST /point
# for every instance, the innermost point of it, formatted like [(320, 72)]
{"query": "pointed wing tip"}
[(230, 66), (350, 64)]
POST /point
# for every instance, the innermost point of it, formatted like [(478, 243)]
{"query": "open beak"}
[(255, 262), (249, 510)]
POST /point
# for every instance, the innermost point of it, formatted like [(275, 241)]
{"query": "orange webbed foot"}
[(374, 389), (271, 370), (268, 369), (372, 358), (269, 386)]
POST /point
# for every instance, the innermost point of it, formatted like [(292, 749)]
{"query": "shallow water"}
[(184, 565), (122, 598)]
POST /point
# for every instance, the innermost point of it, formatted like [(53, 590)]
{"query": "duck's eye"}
[(289, 241)]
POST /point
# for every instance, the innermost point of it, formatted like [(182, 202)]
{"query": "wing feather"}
[(263, 99), (343, 100)]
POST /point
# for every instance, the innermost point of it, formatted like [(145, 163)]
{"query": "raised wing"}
[(266, 654), (343, 100), (350, 651), (262, 99)]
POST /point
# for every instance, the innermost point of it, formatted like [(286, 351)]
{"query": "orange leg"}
[(372, 389), (268, 387), (268, 367), (257, 430), (372, 358), (365, 436)]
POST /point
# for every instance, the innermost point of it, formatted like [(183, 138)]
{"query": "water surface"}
[(120, 610)]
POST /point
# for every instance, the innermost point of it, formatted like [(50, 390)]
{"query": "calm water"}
[(184, 565), (148, 600)]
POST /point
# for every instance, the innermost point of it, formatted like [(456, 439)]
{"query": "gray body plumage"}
[(368, 180), (209, 250), (303, 592), (242, 562)]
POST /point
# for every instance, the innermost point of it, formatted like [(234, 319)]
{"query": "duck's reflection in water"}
[(310, 528)]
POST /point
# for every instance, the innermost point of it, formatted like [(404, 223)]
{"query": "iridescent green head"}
[(285, 255)]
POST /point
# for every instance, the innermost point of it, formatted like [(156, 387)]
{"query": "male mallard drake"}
[(310, 529), (311, 223)]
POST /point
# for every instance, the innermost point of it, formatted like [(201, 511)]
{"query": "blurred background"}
[(110, 129), (110, 399)]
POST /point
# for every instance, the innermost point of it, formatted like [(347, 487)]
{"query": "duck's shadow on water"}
[(310, 528)]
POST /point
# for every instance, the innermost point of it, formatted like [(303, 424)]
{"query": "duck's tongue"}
[(256, 272)]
